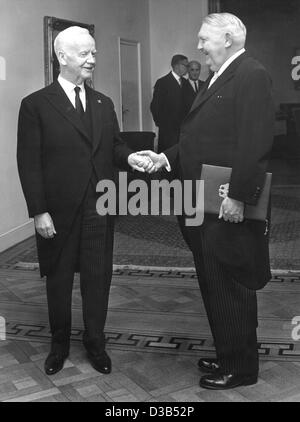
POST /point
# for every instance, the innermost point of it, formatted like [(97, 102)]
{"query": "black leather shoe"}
[(226, 381), (209, 365), (54, 362), (100, 362)]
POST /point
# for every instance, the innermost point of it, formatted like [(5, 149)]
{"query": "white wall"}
[(174, 25), (21, 45)]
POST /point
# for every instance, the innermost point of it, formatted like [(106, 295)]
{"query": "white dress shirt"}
[(193, 84), (178, 78), (225, 65), (68, 87)]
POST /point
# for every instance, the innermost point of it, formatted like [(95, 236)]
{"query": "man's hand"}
[(223, 190), (141, 163), (232, 210), (44, 225), (159, 160)]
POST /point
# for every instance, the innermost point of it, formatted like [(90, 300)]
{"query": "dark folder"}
[(215, 176)]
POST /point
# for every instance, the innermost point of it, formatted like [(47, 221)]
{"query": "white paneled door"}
[(130, 78)]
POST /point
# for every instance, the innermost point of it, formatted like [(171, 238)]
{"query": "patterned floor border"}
[(278, 276), (269, 349)]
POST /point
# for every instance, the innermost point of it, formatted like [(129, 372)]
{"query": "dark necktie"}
[(196, 86), (78, 103)]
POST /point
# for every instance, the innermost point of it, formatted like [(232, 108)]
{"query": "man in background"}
[(194, 85), (167, 103), (67, 141)]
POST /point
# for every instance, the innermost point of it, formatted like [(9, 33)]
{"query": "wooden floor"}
[(156, 328), (156, 331)]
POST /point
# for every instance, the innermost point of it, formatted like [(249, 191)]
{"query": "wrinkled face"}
[(194, 71), (79, 59), (212, 43)]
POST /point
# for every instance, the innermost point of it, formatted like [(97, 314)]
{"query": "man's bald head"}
[(75, 50)]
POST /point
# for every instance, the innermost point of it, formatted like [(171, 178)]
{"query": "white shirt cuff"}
[(168, 167)]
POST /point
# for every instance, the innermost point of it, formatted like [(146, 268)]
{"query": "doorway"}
[(130, 85)]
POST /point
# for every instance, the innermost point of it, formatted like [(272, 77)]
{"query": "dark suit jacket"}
[(56, 157), (232, 124), (189, 95), (167, 109)]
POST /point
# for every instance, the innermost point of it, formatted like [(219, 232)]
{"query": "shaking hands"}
[(147, 161)]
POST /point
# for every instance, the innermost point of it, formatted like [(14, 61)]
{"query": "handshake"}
[(147, 161)]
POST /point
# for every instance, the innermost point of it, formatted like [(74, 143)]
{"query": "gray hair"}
[(194, 62), (67, 37), (230, 23)]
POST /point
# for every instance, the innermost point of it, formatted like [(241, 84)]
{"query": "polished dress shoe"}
[(209, 365), (101, 362), (220, 381), (54, 362)]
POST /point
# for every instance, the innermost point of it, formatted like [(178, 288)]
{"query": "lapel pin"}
[(99, 101)]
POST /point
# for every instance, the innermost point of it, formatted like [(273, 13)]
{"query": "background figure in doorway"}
[(193, 87), (167, 103)]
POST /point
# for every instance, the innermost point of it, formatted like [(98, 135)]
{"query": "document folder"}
[(215, 176)]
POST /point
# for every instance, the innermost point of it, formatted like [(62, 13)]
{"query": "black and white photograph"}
[(150, 203)]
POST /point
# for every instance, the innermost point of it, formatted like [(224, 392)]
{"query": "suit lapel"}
[(228, 74), (96, 109), (206, 94), (174, 82), (58, 98)]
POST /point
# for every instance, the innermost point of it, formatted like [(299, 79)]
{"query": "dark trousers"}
[(231, 309), (90, 243)]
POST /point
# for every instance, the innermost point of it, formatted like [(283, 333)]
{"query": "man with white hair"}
[(67, 141), (230, 124), (194, 85)]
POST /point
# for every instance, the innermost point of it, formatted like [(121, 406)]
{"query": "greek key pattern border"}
[(281, 278), (161, 343), (293, 277)]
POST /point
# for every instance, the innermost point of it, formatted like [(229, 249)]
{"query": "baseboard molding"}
[(16, 235)]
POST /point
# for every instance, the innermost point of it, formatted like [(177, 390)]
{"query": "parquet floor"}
[(156, 328), (156, 331)]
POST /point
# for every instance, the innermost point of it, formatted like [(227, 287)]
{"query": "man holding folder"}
[(230, 124)]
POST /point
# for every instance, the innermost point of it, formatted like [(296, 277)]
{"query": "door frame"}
[(137, 44), (214, 6)]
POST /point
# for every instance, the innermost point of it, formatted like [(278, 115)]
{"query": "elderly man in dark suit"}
[(230, 124), (167, 103), (68, 141), (193, 87)]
